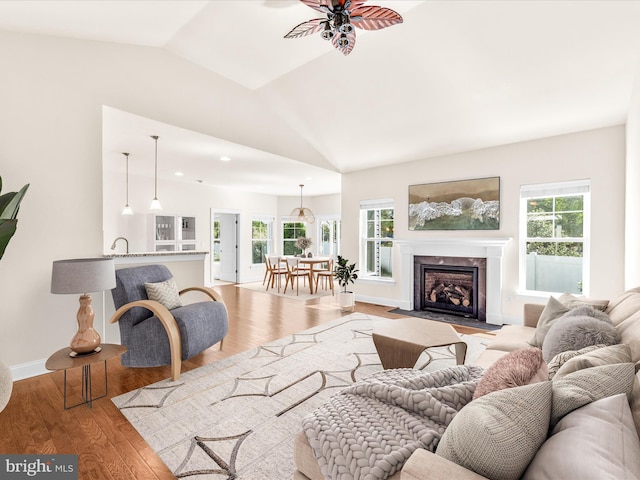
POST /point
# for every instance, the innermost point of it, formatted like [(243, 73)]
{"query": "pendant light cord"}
[(155, 137), (127, 177)]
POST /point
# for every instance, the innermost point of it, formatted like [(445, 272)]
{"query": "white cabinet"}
[(172, 233)]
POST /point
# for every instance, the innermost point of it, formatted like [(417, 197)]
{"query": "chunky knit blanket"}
[(368, 431)]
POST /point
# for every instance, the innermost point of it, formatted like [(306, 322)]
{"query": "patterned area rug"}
[(236, 418)]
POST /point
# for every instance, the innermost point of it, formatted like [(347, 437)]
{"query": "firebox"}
[(450, 285)]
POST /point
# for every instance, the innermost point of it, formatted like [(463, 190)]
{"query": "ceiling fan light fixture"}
[(342, 16)]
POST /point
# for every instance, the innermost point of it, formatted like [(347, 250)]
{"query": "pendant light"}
[(303, 214), (127, 209), (155, 203)]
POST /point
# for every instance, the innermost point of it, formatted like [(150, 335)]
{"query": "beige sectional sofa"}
[(575, 444)]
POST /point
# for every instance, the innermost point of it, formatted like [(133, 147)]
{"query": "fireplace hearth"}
[(450, 285)]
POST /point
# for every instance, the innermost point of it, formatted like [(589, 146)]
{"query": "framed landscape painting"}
[(459, 205)]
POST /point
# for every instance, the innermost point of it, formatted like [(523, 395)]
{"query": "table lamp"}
[(83, 275)]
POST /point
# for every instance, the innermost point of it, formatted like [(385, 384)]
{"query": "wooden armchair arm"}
[(169, 324), (210, 292)]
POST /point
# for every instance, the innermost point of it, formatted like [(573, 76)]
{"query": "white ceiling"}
[(455, 76)]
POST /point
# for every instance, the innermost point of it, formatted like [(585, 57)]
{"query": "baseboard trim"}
[(387, 302), (28, 370)]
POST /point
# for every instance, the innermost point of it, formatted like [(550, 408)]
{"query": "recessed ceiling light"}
[(225, 159), (179, 174)]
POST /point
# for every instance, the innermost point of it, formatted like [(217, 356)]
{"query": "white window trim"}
[(558, 189), (328, 218), (270, 241), (375, 204)]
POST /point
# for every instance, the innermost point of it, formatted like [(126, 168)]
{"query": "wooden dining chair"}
[(275, 271), (326, 274), (294, 273)]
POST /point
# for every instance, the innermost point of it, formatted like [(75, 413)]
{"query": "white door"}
[(224, 256)]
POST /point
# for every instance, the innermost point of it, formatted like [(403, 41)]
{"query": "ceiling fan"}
[(342, 17)]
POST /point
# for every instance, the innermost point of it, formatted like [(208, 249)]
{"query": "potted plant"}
[(9, 206), (345, 274)]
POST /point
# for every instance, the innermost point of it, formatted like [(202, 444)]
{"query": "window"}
[(554, 237), (376, 220), (329, 236), (290, 233), (261, 238), (216, 240)]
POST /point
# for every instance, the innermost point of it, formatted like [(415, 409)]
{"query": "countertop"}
[(154, 254)]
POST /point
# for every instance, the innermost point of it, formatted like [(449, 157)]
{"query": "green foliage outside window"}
[(290, 233), (555, 218), (259, 241), (216, 241)]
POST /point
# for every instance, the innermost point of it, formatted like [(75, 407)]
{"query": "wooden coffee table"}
[(400, 342)]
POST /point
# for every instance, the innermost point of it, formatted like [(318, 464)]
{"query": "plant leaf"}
[(307, 28), (7, 229), (10, 209), (374, 18)]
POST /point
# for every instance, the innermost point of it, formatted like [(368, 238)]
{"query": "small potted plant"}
[(303, 243), (9, 206), (345, 274)]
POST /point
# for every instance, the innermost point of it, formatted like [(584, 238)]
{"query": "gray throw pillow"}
[(552, 311), (605, 355), (563, 357), (588, 311), (572, 301), (498, 434), (585, 386), (574, 333)]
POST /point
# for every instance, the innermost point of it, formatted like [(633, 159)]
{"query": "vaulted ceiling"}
[(454, 76)]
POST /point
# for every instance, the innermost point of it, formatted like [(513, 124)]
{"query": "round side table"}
[(62, 361)]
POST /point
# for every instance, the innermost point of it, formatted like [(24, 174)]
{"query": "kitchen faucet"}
[(113, 245)]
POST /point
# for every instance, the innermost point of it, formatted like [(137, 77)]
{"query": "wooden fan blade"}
[(323, 6), (374, 18), (307, 28), (352, 43)]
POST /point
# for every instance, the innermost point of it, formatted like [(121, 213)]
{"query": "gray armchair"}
[(156, 336)]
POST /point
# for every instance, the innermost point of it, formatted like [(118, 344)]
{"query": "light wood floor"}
[(35, 422)]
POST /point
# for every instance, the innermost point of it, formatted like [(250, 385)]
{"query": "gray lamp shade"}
[(83, 275)]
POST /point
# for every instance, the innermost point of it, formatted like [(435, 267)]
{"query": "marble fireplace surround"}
[(490, 248)]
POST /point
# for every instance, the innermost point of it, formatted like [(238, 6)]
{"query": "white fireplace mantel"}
[(490, 248)]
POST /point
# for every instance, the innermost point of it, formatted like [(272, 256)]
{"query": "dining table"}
[(312, 262)]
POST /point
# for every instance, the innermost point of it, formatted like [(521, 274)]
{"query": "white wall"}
[(52, 92), (632, 212), (597, 154)]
